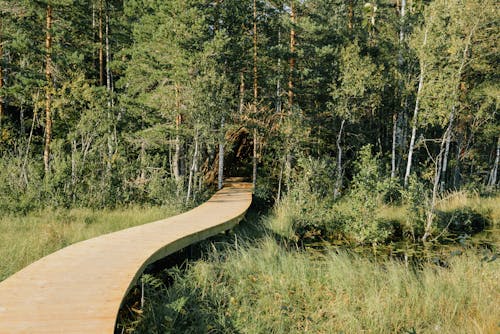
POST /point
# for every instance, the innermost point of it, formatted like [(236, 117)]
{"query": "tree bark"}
[(292, 58), (1, 74), (278, 81), (447, 140), (255, 94), (393, 149), (28, 147), (338, 182), (220, 178), (242, 92), (435, 191), (397, 138), (453, 108), (48, 89), (494, 170), (254, 159), (255, 78), (109, 89), (193, 168), (178, 147), (280, 182), (457, 173), (101, 44), (415, 116)]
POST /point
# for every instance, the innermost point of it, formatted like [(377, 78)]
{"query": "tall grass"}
[(266, 289), (263, 287), (24, 239)]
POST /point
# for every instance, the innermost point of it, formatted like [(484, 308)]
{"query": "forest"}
[(110, 102), (364, 123)]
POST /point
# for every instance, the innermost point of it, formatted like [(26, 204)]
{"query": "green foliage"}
[(464, 221), (416, 198), (360, 84), (307, 205), (175, 71), (21, 185), (358, 208)]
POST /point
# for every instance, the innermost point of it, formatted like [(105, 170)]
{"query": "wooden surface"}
[(79, 289)]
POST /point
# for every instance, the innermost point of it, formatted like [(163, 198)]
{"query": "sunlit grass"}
[(266, 289), (24, 239)]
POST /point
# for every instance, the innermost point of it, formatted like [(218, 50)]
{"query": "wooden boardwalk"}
[(80, 288)]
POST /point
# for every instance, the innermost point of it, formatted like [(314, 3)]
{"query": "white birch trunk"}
[(447, 140), (221, 156), (415, 117), (435, 190), (494, 170), (397, 137), (254, 159), (338, 183), (193, 168)]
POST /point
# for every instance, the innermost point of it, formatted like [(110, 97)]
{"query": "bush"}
[(462, 221), (416, 199), (368, 190)]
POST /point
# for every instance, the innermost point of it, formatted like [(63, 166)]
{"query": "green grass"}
[(262, 287), (266, 289), (25, 239)]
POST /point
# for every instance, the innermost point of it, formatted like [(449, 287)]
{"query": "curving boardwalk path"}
[(80, 288)]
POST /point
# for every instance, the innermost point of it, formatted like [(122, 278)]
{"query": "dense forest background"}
[(109, 102)]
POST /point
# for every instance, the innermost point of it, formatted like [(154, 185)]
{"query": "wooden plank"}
[(79, 289)]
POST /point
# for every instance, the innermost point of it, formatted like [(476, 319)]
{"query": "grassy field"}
[(262, 287), (265, 289), (25, 239)]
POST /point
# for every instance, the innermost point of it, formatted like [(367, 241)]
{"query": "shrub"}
[(368, 190), (463, 221), (416, 199)]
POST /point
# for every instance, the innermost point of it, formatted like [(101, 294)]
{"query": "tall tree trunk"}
[(452, 116), (73, 169), (255, 78), (28, 147), (399, 117), (278, 80), (1, 74), (101, 44), (255, 94), (254, 158), (280, 182), (494, 170), (48, 90), (393, 149), (447, 140), (220, 177), (178, 147), (435, 191), (242, 92), (109, 85), (142, 161), (193, 168), (415, 116), (109, 78), (292, 61), (414, 127), (292, 58), (338, 182), (456, 173)]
